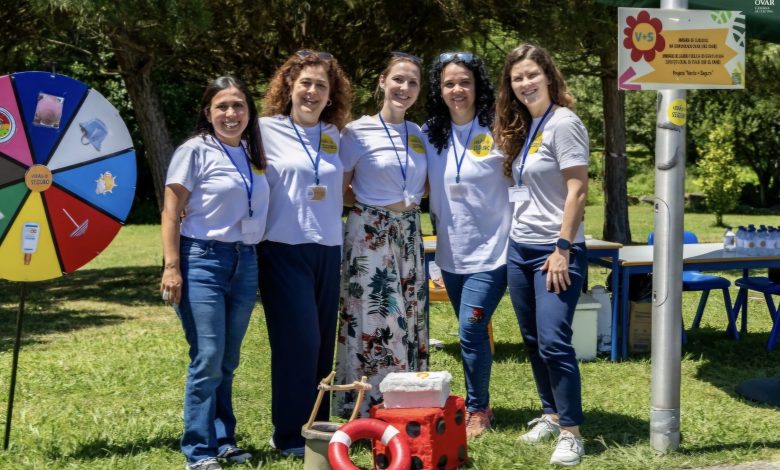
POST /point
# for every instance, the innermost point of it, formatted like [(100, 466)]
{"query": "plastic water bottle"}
[(729, 240), (762, 241), (774, 249), (750, 241), (740, 240)]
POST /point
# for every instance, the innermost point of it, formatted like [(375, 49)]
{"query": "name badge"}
[(250, 225), (316, 192), (458, 191), (519, 194)]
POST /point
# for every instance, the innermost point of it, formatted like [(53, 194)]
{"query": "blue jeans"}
[(218, 295), (474, 298), (545, 322), (299, 285)]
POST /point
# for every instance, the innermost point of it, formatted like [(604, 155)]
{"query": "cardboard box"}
[(640, 325)]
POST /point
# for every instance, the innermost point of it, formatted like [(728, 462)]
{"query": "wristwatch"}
[(563, 244)]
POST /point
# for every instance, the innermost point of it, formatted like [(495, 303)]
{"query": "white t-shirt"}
[(472, 219), (378, 180), (293, 217), (218, 195), (561, 143)]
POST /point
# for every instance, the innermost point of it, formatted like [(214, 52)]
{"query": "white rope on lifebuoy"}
[(368, 428)]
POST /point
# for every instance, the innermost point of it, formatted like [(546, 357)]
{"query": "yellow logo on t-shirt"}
[(481, 145), (327, 144), (416, 144), (536, 144)]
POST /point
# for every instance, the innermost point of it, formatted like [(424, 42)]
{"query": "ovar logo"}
[(7, 125)]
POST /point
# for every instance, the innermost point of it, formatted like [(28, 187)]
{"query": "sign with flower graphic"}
[(680, 49)]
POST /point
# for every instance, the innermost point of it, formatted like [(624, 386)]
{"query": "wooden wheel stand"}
[(318, 433)]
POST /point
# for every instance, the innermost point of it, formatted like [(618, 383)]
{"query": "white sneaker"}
[(543, 428), (568, 451)]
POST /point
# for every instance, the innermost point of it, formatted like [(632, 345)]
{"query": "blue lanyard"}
[(249, 187), (459, 163), (404, 166), (528, 141), (314, 161)]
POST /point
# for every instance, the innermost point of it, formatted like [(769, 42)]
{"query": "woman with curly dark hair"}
[(306, 106), (470, 210), (546, 146)]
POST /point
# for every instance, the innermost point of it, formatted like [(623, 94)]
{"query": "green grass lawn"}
[(102, 366)]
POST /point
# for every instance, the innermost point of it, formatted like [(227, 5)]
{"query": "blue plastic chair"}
[(694, 281), (766, 287)]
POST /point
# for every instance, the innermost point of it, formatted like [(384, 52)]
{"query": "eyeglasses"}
[(404, 55), (306, 53), (450, 56)]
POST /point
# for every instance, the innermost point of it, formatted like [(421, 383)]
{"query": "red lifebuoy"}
[(368, 428)]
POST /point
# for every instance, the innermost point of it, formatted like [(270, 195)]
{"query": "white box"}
[(416, 389), (585, 327), (604, 342)]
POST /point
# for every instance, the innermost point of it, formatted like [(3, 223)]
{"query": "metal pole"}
[(667, 266), (14, 365)]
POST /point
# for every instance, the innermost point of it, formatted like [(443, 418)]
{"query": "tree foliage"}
[(718, 170)]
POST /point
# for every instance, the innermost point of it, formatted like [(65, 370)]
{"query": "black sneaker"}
[(235, 454)]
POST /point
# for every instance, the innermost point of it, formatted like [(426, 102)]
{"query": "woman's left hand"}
[(557, 268)]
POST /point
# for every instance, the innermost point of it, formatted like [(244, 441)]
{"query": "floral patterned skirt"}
[(383, 321)]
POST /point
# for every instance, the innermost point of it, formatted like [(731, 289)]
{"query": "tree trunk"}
[(135, 65), (616, 226)]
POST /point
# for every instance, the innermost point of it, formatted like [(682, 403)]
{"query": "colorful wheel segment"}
[(67, 175)]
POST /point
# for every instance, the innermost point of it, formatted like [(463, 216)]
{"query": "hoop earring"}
[(330, 102)]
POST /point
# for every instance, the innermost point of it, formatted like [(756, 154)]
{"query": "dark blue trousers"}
[(299, 286), (545, 322)]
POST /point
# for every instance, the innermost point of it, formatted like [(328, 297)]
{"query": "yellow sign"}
[(678, 111), (680, 49), (38, 178)]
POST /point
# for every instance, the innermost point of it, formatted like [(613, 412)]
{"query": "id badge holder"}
[(409, 199), (458, 191), (519, 194), (250, 225), (316, 192)]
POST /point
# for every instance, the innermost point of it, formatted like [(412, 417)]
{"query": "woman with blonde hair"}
[(546, 146), (305, 107)]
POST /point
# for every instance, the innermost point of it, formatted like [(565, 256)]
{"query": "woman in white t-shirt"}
[(307, 103), (382, 321), (547, 150), (470, 210), (210, 275)]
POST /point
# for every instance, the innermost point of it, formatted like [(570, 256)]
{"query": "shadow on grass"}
[(726, 363), (45, 320), (47, 309), (601, 426), (506, 351), (105, 449), (123, 285)]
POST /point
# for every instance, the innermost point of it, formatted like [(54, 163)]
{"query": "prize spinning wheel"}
[(67, 175)]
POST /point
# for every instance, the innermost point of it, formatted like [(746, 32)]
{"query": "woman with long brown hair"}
[(547, 149)]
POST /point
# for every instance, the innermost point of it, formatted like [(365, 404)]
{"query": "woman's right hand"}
[(170, 285)]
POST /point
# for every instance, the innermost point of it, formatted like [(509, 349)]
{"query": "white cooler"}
[(416, 389), (585, 327)]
